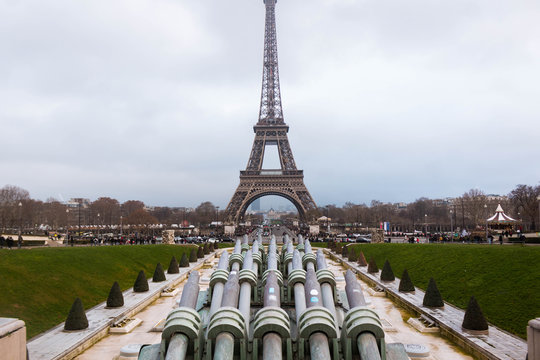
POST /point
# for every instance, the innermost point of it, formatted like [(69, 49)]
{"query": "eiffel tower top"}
[(270, 112)]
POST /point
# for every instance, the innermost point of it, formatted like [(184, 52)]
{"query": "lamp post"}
[(66, 238), (217, 219), (425, 221), (20, 218), (79, 219), (485, 214), (538, 225), (451, 224), (98, 224)]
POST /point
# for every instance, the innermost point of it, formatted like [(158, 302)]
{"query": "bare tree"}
[(525, 200)]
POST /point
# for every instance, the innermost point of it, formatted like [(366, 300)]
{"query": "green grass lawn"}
[(40, 285), (504, 279)]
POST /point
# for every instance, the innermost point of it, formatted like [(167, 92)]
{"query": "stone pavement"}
[(498, 344), (58, 344)]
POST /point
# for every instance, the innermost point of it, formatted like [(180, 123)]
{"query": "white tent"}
[(500, 217)]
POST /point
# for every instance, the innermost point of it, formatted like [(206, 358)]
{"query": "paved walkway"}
[(498, 344), (57, 343)]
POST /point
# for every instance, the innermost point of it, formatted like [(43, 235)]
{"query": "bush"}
[(206, 249), (184, 262), (159, 274), (352, 254), (193, 256), (173, 265), (387, 274), (372, 267), (115, 298), (200, 252), (406, 284), (141, 284), (362, 259), (433, 297), (76, 319), (474, 318)]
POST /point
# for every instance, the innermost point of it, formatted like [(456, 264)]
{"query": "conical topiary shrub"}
[(116, 298), (387, 274), (406, 284), (352, 254), (344, 251), (200, 252), (141, 284), (372, 267), (474, 318), (173, 265), (206, 249), (433, 297), (362, 259), (331, 245), (193, 255), (159, 274), (184, 262), (76, 319)]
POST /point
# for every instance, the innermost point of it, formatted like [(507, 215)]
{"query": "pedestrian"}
[(2, 240), (10, 242), (500, 239), (19, 241)]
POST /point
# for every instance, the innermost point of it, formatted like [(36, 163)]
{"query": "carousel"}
[(500, 221)]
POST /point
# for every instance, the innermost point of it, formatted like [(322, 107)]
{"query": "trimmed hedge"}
[(141, 284), (184, 261), (159, 274), (76, 319), (115, 298), (372, 267), (387, 274), (474, 318), (173, 265), (406, 284), (432, 297)]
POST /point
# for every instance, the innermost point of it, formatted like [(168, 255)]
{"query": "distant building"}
[(256, 205)]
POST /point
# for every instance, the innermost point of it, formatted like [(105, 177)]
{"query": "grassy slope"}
[(504, 279), (39, 285)]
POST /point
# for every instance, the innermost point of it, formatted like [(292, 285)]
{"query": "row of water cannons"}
[(293, 297)]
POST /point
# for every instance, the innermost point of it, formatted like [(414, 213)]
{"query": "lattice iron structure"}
[(270, 129)]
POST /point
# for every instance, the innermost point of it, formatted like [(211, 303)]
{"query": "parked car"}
[(362, 239)]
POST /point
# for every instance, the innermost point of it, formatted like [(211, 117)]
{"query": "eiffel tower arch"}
[(256, 182)]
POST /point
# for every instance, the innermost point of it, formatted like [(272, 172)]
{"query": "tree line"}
[(19, 211)]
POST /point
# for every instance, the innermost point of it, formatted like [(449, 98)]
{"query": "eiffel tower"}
[(256, 182)]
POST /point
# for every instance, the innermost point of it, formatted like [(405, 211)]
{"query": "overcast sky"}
[(155, 100)]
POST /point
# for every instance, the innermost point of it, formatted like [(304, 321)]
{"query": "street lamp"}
[(451, 223), (538, 225), (20, 218), (425, 221), (217, 219), (486, 215), (98, 223), (66, 238)]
